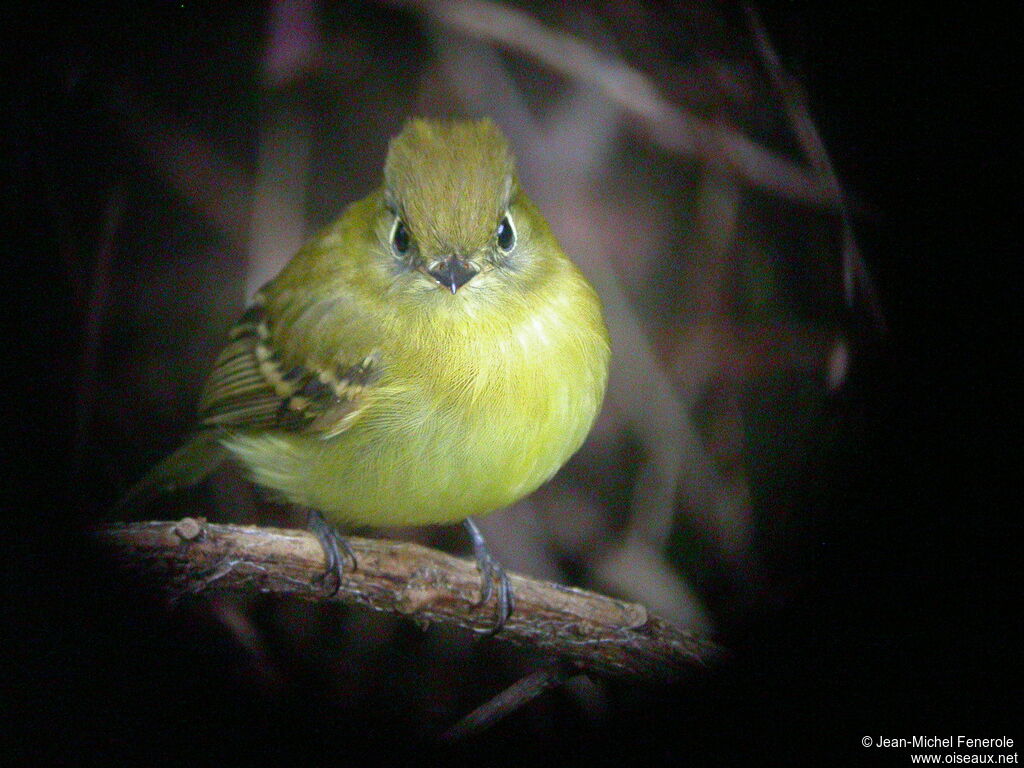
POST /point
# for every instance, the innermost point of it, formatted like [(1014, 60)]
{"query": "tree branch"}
[(589, 631)]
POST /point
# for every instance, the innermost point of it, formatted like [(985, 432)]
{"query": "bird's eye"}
[(506, 234), (400, 237)]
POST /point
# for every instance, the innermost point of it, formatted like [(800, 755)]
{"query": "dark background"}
[(909, 624)]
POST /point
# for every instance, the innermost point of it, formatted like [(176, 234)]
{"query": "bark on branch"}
[(589, 631)]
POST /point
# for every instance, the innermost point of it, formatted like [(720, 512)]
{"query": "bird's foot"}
[(491, 571), (333, 544)]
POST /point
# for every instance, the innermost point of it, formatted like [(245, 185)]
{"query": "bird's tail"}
[(188, 465)]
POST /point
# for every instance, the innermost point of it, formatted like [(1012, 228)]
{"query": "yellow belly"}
[(475, 431)]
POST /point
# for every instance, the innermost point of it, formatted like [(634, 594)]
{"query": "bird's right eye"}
[(400, 237)]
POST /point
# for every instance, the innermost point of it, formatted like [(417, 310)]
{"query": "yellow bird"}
[(431, 356)]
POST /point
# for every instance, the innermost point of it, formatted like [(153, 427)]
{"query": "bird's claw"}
[(491, 571), (333, 544)]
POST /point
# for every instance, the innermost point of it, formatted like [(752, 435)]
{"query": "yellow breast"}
[(470, 422)]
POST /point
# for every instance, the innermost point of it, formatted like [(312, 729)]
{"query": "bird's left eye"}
[(400, 237), (506, 234)]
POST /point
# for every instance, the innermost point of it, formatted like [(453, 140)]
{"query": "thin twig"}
[(99, 295), (508, 701), (588, 631), (855, 271)]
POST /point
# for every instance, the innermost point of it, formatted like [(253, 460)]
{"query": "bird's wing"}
[(254, 385)]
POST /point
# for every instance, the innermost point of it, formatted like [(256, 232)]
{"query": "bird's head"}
[(452, 219)]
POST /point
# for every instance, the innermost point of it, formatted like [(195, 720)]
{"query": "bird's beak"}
[(452, 272)]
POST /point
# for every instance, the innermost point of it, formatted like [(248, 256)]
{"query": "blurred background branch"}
[(855, 271), (674, 128)]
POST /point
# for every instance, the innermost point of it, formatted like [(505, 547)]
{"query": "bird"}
[(428, 358)]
